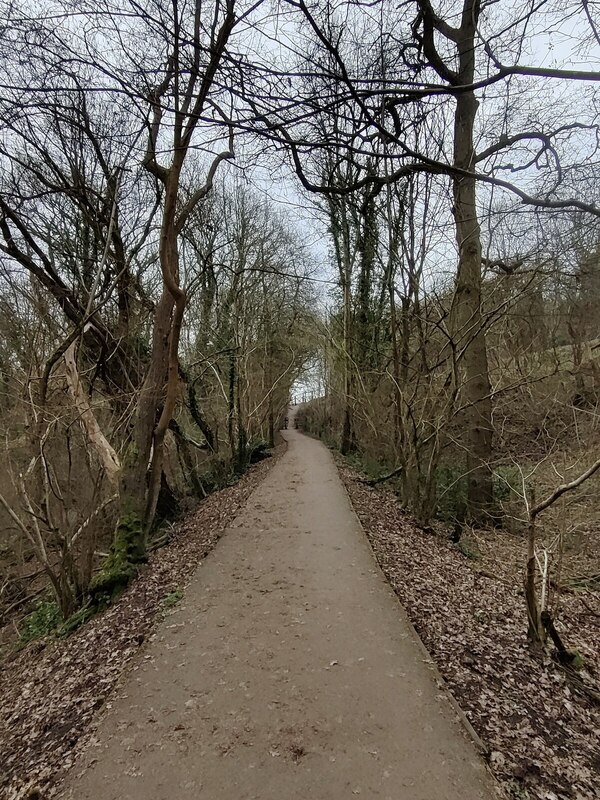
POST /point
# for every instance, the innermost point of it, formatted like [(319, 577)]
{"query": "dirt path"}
[(287, 672)]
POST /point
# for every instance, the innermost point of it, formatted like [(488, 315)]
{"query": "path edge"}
[(480, 745), (59, 780)]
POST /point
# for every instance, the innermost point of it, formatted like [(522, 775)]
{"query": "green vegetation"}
[(172, 598), (43, 621), (507, 483), (122, 563), (371, 467), (451, 490)]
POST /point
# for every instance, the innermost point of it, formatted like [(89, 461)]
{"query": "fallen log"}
[(383, 478)]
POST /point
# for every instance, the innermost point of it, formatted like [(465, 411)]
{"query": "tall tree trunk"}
[(142, 465), (366, 244), (271, 421), (347, 443), (129, 545), (340, 230), (467, 320), (169, 262), (231, 404)]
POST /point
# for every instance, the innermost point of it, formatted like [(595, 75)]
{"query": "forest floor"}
[(284, 667), (288, 670), (51, 690), (542, 734)]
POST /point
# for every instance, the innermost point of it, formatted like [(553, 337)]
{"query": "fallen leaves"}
[(543, 739), (51, 694)]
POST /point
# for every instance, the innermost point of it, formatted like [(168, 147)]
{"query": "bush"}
[(257, 451), (219, 475), (369, 466)]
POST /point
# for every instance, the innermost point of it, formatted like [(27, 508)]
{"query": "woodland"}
[(387, 210)]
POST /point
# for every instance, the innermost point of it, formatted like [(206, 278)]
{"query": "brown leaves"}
[(543, 739), (50, 695)]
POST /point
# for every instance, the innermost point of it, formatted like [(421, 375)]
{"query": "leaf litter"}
[(542, 736), (52, 690)]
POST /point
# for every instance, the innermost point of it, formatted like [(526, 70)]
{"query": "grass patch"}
[(172, 598)]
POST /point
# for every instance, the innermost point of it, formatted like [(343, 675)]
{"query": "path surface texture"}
[(288, 671)]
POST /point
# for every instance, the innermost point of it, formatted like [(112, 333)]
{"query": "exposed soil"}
[(52, 690), (543, 735)]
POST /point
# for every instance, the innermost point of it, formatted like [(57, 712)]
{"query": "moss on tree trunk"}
[(128, 551)]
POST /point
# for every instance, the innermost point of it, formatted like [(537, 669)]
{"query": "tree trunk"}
[(106, 454), (535, 632), (347, 443), (137, 457), (169, 263), (231, 404), (467, 319), (366, 244), (397, 391), (271, 422), (129, 543)]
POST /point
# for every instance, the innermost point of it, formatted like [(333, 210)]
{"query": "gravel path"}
[(288, 671)]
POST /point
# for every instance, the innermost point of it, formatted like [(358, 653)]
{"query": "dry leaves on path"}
[(52, 690), (543, 739)]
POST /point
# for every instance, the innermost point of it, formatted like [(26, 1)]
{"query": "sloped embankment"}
[(52, 690), (543, 737)]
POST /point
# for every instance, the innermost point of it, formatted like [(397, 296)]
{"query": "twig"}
[(21, 602), (566, 487), (591, 611)]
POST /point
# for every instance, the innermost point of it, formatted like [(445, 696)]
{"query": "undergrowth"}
[(450, 483), (43, 620), (120, 567)]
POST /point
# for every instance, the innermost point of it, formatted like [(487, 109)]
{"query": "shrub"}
[(451, 492)]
